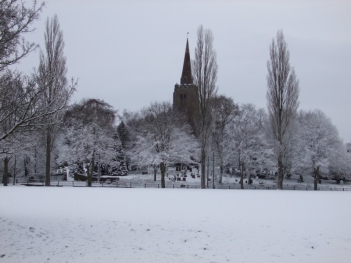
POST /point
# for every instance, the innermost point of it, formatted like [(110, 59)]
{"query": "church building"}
[(185, 95)]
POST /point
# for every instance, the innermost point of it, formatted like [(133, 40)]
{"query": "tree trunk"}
[(280, 173), (48, 158), (14, 172), (203, 168), (155, 172), (221, 170), (6, 171), (99, 171), (90, 174), (35, 160), (163, 173), (213, 175), (208, 171), (316, 177), (25, 167), (241, 175)]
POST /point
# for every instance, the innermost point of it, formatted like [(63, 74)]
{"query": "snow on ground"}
[(67, 224)]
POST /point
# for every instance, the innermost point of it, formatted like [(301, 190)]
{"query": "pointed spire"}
[(186, 77)]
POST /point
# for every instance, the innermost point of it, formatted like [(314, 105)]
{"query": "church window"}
[(182, 98)]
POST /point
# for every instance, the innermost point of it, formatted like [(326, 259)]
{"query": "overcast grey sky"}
[(130, 53)]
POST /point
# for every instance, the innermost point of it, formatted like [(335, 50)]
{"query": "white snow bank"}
[(40, 224)]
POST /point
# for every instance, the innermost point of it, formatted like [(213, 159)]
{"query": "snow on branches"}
[(162, 138)]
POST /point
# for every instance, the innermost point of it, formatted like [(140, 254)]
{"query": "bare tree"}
[(20, 109), (205, 77), (52, 78), (224, 111), (12, 93), (12, 146), (18, 93), (16, 20), (282, 100)]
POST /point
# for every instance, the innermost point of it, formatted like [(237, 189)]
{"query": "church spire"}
[(186, 77)]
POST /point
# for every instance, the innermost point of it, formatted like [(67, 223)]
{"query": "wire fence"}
[(183, 185)]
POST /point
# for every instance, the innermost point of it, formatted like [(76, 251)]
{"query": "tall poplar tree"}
[(282, 100), (52, 76), (205, 78)]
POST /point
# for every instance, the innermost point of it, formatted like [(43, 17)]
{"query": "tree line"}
[(40, 131), (31, 106)]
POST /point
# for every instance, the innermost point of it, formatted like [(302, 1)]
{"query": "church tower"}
[(185, 95)]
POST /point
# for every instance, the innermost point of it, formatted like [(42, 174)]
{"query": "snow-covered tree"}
[(127, 131), (118, 166), (246, 141), (224, 111), (340, 164), (123, 133), (163, 138), (321, 150), (90, 135)]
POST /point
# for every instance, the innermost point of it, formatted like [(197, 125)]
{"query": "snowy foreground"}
[(66, 224)]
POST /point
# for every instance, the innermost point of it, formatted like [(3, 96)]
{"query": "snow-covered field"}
[(67, 224)]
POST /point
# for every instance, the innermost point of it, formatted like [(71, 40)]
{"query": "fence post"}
[(145, 185), (130, 184), (58, 183), (158, 185)]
